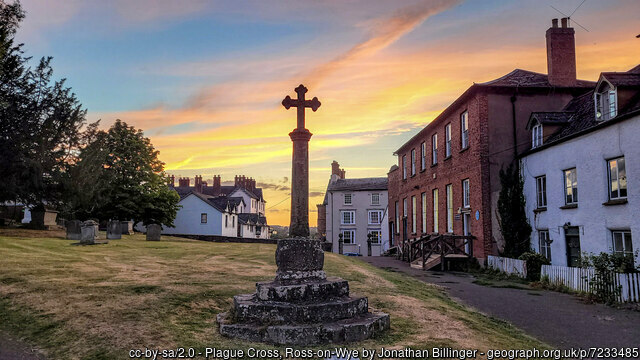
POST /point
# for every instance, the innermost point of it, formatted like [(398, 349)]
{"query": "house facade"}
[(582, 173), (356, 209), (447, 176)]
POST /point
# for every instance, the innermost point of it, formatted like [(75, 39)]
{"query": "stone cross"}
[(300, 167)]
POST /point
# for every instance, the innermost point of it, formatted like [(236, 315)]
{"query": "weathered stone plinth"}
[(301, 306), (114, 230)]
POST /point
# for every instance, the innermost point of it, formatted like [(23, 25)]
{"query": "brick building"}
[(446, 180)]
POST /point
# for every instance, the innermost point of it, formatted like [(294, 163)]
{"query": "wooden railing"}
[(436, 244)]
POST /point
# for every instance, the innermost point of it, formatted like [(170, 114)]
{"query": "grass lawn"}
[(98, 302)]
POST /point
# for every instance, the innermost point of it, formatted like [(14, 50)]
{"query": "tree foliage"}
[(513, 222), (40, 120), (119, 176)]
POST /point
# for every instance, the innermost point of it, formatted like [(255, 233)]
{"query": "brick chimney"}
[(561, 54), (216, 182), (335, 170), (172, 181), (198, 184), (183, 182)]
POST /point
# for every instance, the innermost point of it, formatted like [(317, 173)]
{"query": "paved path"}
[(558, 319), (13, 349)]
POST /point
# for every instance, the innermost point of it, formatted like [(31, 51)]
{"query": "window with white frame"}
[(423, 156), (348, 217), (375, 199), (536, 135), (226, 221), (404, 207), (541, 191), (348, 236), (413, 162), (434, 149), (404, 167), (375, 217), (447, 141), (397, 219), (377, 236), (622, 243), (414, 225), (348, 199), (570, 186), (203, 218), (544, 244), (233, 221), (424, 212), (449, 208), (435, 210), (617, 179), (464, 130), (466, 195), (605, 102)]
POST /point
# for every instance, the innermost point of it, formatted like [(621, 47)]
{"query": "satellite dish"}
[(569, 16)]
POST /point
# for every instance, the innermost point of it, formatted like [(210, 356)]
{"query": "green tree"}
[(40, 120), (512, 217), (119, 176)]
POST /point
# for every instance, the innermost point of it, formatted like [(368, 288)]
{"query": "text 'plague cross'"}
[(301, 103)]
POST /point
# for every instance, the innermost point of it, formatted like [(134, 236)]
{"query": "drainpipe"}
[(513, 123)]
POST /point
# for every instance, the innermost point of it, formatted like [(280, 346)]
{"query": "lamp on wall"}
[(566, 226)]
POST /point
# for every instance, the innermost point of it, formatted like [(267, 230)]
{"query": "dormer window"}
[(605, 101), (536, 135)]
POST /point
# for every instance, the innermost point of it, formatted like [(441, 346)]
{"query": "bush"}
[(534, 264), (602, 285)]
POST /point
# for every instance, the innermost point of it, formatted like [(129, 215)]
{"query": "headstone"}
[(154, 232), (114, 230), (89, 231), (74, 229), (44, 219), (126, 227)]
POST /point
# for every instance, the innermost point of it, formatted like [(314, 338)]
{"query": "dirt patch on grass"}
[(31, 233)]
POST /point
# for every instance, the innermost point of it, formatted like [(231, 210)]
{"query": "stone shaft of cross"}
[(300, 137)]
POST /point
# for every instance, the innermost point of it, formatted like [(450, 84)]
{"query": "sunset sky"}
[(204, 79)]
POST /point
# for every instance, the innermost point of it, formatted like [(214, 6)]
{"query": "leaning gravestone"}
[(126, 227), (114, 230), (74, 229), (154, 232)]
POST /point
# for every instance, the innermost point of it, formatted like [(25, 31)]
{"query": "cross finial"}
[(301, 103)]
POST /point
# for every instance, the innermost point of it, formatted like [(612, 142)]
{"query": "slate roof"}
[(551, 118), (622, 78), (257, 219), (183, 191), (361, 184), (525, 78), (219, 203), (584, 117)]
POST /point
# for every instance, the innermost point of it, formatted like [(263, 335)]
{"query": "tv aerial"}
[(573, 12)]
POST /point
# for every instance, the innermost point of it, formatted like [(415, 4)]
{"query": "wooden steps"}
[(432, 261)]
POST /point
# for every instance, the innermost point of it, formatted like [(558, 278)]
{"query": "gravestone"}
[(126, 227), (74, 229), (89, 232), (301, 306), (154, 232), (114, 230)]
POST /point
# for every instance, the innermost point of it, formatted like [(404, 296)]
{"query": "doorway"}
[(466, 229), (572, 238)]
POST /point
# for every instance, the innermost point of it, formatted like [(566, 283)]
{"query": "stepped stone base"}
[(358, 328), (301, 306)]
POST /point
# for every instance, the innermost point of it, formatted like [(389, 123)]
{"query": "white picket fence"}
[(508, 265), (578, 279)]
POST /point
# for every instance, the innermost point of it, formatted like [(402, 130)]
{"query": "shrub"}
[(534, 264), (602, 285)]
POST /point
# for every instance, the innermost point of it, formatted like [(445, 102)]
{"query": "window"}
[(622, 243), (605, 99), (545, 244), (447, 141), (423, 156), (435, 210), (424, 212), (375, 199), (226, 220), (536, 135), (464, 130), (233, 221), (570, 187), (449, 208), (434, 149), (404, 207), (397, 219), (348, 217), (348, 199), (541, 191), (375, 217), (617, 179), (203, 218), (348, 236), (413, 162), (404, 167), (413, 215), (377, 236), (466, 200)]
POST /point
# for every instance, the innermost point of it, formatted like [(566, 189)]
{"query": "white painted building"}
[(356, 208), (582, 175)]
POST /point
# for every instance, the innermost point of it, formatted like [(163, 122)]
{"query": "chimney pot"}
[(564, 22), (554, 23)]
